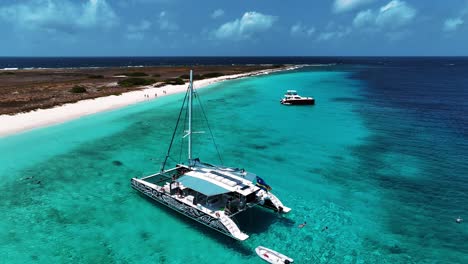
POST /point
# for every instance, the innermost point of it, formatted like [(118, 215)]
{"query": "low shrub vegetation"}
[(195, 76), (95, 76), (78, 89), (202, 76), (132, 74), (174, 81), (136, 82), (212, 75)]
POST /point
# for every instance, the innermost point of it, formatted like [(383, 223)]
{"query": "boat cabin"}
[(291, 93), (214, 188), (292, 98)]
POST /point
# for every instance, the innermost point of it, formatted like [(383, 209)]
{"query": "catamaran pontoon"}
[(209, 194)]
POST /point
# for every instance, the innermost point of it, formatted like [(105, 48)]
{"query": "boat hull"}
[(298, 102), (272, 256), (174, 204)]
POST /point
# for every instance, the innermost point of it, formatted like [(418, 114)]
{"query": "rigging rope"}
[(175, 130), (209, 128)]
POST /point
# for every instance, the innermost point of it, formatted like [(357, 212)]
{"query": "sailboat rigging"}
[(209, 194)]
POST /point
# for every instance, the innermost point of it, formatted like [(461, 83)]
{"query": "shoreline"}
[(23, 122)]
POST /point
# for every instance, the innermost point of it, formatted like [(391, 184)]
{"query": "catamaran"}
[(209, 194)]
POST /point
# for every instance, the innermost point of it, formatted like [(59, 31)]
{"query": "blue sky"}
[(233, 28)]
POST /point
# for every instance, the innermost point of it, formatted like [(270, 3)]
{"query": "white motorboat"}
[(292, 98), (271, 256)]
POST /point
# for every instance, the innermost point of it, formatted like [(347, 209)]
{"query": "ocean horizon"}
[(14, 62), (377, 168)]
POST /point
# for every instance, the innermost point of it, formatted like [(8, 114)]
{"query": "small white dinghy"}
[(271, 256)]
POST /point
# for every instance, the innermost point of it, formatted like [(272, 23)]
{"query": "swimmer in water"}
[(459, 220), (303, 224)]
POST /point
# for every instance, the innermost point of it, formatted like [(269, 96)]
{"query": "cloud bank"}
[(393, 15), (340, 6), (60, 16), (165, 23), (217, 13), (453, 24), (300, 30), (243, 28), (137, 32)]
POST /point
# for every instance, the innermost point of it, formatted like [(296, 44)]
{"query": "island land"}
[(39, 97)]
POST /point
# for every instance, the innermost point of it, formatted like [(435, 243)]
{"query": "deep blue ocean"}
[(381, 160), (79, 62)]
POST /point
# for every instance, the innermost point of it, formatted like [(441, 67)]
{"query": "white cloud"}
[(397, 35), (339, 33), (97, 12), (310, 31), (452, 24), (165, 23), (137, 32), (393, 15), (245, 27), (300, 30), (60, 16), (347, 5), (135, 35), (217, 13), (364, 18)]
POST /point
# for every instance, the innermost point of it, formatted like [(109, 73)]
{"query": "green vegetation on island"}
[(95, 76), (202, 76), (174, 81), (278, 65), (132, 74), (136, 82), (78, 89), (212, 75)]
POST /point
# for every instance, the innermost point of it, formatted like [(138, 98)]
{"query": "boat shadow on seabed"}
[(257, 220), (254, 221), (233, 244)]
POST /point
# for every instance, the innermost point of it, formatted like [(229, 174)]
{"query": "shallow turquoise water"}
[(64, 199)]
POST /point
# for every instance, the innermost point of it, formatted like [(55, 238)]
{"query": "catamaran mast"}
[(190, 120)]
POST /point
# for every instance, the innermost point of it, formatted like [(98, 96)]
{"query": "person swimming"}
[(303, 224), (325, 228), (459, 220)]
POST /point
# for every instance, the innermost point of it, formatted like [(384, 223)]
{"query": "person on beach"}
[(303, 224), (155, 95)]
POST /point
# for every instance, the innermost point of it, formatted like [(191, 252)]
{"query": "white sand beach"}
[(21, 122)]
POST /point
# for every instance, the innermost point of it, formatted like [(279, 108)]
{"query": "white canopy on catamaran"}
[(212, 181), (205, 187)]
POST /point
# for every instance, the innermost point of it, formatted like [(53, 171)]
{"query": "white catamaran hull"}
[(194, 213)]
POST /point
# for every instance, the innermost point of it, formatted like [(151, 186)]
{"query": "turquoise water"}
[(65, 198)]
